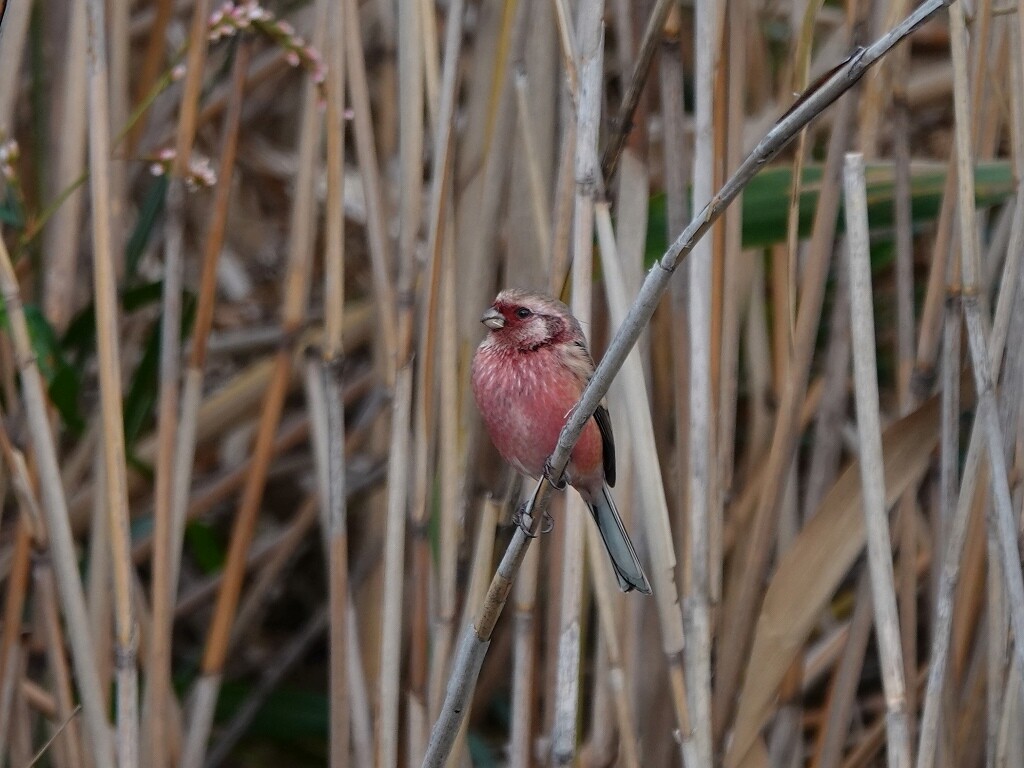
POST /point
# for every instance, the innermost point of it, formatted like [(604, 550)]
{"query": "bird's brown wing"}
[(604, 423)]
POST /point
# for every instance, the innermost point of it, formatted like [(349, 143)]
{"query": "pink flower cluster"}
[(232, 18), (200, 173)]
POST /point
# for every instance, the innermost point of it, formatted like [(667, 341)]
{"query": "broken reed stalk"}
[(109, 358), (476, 639), (296, 290), (883, 589), (333, 504), (62, 546)]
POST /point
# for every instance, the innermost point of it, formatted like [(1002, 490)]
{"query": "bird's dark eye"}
[(523, 313)]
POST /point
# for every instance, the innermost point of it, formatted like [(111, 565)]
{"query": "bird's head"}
[(521, 320)]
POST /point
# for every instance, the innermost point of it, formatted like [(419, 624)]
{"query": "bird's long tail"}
[(627, 566)]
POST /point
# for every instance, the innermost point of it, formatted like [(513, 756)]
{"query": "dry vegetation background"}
[(246, 247)]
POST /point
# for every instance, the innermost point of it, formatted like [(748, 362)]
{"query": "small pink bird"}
[(528, 374)]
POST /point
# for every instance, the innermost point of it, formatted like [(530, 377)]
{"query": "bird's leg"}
[(522, 518), (557, 481)]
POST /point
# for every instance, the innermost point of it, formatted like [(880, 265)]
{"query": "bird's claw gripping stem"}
[(557, 481), (524, 520)]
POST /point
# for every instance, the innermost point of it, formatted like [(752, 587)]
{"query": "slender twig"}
[(883, 590), (476, 639)]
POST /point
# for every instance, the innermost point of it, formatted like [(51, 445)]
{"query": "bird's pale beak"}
[(493, 319)]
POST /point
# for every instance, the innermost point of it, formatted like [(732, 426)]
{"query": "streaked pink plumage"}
[(528, 374)]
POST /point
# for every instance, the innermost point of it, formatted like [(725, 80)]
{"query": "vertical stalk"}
[(109, 354), (590, 41), (883, 589), (335, 513)]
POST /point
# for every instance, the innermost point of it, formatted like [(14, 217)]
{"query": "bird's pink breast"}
[(525, 399)]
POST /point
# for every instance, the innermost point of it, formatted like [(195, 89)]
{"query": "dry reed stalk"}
[(63, 231), (905, 332), (700, 474), (475, 641), (376, 229), (333, 461), (676, 175), (883, 589), (590, 42), (524, 662), (567, 47), (799, 74), (411, 140), (359, 704), (735, 280), (120, 109), (450, 463), (55, 509), (394, 571), (292, 314), (740, 608), (109, 357), (658, 532)]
